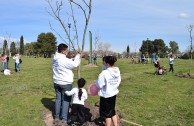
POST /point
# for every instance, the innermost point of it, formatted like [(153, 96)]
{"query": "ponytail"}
[(80, 93), (81, 82)]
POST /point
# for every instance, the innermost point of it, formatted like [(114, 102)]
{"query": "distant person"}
[(171, 63), (157, 59), (153, 58), (143, 58), (3, 62), (7, 61), (95, 59), (108, 83), (133, 60), (17, 62), (80, 95), (63, 79), (103, 63)]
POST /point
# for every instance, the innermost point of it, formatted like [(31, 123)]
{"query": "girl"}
[(17, 62), (80, 95), (108, 83)]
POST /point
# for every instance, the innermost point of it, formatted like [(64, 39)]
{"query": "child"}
[(80, 95), (108, 83), (103, 63)]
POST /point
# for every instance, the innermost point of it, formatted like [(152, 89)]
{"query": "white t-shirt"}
[(74, 92)]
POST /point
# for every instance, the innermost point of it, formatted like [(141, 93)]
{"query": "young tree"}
[(21, 45), (12, 49), (57, 12), (190, 28)]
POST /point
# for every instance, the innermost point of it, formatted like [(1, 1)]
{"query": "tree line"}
[(158, 46), (45, 46)]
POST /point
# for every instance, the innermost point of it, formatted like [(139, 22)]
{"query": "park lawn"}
[(144, 98)]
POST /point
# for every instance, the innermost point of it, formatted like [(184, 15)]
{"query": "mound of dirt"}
[(188, 75), (92, 117)]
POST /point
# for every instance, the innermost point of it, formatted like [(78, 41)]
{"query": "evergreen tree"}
[(12, 48), (5, 47), (128, 51), (21, 45)]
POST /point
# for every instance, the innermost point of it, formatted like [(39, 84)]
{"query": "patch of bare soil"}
[(188, 75), (92, 117)]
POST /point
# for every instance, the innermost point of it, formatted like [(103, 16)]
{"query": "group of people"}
[(160, 70), (108, 82), (5, 62)]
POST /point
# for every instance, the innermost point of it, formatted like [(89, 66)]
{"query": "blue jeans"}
[(62, 101), (4, 65), (17, 67)]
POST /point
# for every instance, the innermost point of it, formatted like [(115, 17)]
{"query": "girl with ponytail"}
[(80, 95)]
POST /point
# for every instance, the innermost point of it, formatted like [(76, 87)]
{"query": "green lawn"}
[(144, 98)]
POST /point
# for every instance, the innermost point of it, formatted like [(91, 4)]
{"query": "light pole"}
[(69, 26)]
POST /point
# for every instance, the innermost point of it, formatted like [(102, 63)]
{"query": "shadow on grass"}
[(49, 104), (151, 73)]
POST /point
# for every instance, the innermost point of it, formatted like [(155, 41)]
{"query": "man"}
[(63, 79)]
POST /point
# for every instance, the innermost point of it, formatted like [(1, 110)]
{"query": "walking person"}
[(63, 79), (171, 63), (108, 83), (80, 95)]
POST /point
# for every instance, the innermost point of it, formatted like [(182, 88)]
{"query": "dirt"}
[(185, 76), (92, 117)]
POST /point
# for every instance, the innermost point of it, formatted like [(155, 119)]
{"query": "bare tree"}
[(57, 12), (103, 48), (190, 28)]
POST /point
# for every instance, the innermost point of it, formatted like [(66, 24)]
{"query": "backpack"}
[(20, 60)]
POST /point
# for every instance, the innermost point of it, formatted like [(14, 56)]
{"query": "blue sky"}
[(117, 22)]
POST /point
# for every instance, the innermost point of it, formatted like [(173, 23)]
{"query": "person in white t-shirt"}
[(63, 79), (108, 83), (80, 95)]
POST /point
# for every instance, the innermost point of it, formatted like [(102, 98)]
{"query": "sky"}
[(117, 22)]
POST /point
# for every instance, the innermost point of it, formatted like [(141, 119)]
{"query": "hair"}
[(110, 60), (103, 58), (81, 82), (62, 47)]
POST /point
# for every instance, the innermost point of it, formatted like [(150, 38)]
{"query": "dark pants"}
[(107, 107), (78, 113), (171, 68)]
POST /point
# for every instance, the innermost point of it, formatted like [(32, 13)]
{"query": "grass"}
[(143, 98)]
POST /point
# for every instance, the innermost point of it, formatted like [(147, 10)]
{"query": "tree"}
[(47, 44), (128, 51), (12, 48), (160, 47), (28, 49), (190, 29), (5, 47), (21, 45), (174, 48), (75, 7)]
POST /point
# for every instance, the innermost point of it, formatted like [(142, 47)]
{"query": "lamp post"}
[(69, 26)]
